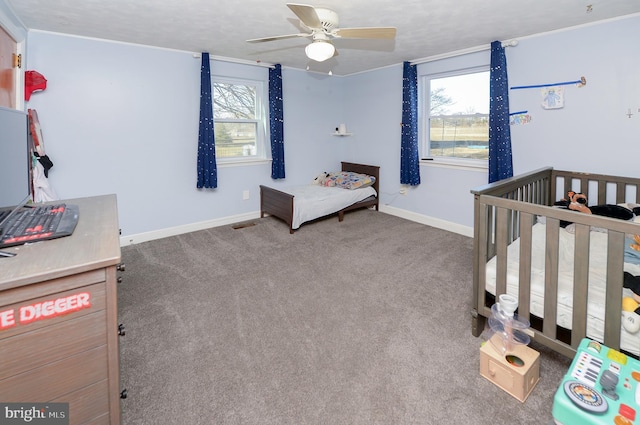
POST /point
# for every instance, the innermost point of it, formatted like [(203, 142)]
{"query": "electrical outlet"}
[(245, 195)]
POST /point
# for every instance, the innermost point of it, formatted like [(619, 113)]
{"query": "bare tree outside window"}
[(234, 101), (236, 119), (439, 101)]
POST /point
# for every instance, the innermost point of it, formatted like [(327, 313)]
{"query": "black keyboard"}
[(40, 223)]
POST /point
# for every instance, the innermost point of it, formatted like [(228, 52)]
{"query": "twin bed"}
[(297, 205), (568, 280)]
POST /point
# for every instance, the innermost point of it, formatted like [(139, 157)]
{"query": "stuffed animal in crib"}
[(632, 282), (574, 201), (630, 315), (636, 243), (577, 201)]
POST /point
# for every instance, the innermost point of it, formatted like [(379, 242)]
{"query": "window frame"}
[(260, 120), (424, 115)]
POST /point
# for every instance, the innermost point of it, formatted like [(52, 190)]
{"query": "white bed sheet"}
[(597, 281), (314, 201)]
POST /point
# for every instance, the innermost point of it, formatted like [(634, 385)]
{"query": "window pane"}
[(234, 101), (459, 116), (238, 108), (463, 136), (235, 139)]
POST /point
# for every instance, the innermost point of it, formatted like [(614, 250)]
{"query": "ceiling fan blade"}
[(371, 32), (307, 14), (278, 37)]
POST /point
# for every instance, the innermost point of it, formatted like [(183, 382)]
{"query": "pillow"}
[(348, 180)]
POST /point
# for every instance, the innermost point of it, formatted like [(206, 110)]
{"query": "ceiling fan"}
[(322, 26)]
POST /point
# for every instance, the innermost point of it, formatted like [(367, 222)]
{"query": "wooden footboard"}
[(280, 204), (507, 210), (276, 203)]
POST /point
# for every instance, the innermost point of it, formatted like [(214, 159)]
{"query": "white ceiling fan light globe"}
[(320, 50)]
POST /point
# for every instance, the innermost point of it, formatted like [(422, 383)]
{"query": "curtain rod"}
[(233, 60), (510, 43)]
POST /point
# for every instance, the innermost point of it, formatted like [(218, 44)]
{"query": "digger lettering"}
[(52, 308)]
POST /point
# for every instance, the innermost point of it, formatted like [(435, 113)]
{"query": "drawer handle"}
[(123, 393), (121, 330)]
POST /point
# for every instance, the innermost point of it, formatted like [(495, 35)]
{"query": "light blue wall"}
[(312, 111), (373, 105), (122, 119), (591, 133)]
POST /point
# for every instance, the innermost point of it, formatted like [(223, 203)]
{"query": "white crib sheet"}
[(597, 281)]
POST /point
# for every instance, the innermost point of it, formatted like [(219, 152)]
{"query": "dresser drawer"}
[(88, 404), (52, 286), (102, 420), (34, 313), (56, 379), (48, 344), (59, 319)]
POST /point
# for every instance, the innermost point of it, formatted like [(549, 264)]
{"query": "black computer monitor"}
[(15, 155)]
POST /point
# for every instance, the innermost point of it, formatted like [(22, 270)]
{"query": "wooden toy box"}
[(517, 372)]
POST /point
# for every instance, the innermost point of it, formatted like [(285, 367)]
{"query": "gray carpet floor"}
[(361, 322)]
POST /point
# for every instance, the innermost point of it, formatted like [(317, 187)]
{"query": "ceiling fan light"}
[(320, 50)]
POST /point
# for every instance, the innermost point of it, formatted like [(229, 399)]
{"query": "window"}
[(457, 116), (238, 116)]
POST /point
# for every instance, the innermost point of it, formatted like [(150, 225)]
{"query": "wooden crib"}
[(507, 211)]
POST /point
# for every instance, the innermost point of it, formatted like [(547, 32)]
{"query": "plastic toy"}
[(506, 360), (601, 387), (507, 325)]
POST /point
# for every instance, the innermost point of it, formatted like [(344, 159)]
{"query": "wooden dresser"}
[(58, 318)]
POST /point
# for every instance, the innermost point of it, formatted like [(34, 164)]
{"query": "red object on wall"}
[(33, 81)]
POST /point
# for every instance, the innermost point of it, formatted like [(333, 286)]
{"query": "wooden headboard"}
[(371, 170)]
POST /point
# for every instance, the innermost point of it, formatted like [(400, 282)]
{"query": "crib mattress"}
[(597, 281)]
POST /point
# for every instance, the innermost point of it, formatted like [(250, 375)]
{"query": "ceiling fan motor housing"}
[(328, 18)]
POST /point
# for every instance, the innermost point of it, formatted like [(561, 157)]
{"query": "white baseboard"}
[(192, 227), (225, 221), (429, 221)]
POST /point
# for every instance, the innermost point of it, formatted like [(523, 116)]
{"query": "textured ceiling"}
[(425, 27)]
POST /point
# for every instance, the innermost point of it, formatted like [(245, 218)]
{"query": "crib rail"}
[(507, 210), (599, 188)]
